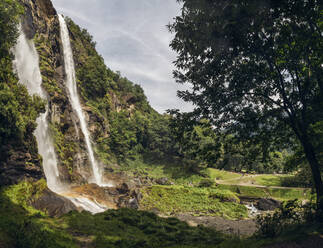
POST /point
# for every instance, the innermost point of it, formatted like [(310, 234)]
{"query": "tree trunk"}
[(315, 167)]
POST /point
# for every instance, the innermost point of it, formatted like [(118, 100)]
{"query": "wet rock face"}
[(27, 24), (263, 204), (20, 162), (46, 6)]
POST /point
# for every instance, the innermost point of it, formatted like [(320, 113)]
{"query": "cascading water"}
[(88, 205), (26, 64), (74, 99)]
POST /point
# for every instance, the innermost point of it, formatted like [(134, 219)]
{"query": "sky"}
[(132, 37)]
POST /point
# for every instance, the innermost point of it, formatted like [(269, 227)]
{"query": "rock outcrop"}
[(53, 204), (41, 23), (267, 204), (19, 164)]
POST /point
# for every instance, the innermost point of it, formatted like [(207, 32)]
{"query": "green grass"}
[(270, 180), (261, 180), (222, 174), (21, 194), (276, 193), (197, 201)]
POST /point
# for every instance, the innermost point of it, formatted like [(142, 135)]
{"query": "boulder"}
[(133, 203), (125, 202), (123, 188), (267, 204), (53, 204)]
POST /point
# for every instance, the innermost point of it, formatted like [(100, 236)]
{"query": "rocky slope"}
[(40, 23)]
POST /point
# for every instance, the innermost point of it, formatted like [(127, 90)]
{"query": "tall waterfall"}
[(74, 99), (26, 64)]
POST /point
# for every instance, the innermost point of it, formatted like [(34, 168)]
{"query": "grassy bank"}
[(171, 200), (282, 194)]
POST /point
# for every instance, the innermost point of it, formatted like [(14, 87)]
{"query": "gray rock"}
[(267, 204), (53, 204), (28, 25), (133, 203)]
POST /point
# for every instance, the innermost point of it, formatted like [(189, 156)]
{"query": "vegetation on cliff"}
[(18, 110), (129, 127)]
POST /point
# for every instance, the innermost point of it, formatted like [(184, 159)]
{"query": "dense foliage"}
[(134, 129), (18, 110), (255, 68), (201, 145), (291, 214)]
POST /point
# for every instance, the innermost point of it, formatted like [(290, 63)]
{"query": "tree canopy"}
[(255, 68)]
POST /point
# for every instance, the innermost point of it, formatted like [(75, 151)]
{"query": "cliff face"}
[(105, 96), (41, 24)]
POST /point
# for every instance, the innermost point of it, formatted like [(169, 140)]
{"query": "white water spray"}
[(74, 99), (26, 64), (88, 205)]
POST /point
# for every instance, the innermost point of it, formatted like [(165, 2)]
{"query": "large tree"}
[(254, 67)]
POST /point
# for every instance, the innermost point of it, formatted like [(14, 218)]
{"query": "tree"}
[(9, 13), (196, 141), (255, 68)]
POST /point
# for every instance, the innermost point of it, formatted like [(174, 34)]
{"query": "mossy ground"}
[(260, 180), (283, 194), (222, 174), (197, 201)]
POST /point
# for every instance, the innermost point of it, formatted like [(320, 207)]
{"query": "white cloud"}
[(133, 39)]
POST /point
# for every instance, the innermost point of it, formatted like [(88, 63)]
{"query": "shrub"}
[(291, 213), (206, 182)]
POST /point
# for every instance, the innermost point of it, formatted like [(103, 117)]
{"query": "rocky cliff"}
[(41, 23), (107, 99)]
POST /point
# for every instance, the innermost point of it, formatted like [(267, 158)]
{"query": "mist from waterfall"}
[(74, 98), (26, 65)]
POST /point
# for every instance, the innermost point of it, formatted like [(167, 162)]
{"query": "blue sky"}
[(132, 37)]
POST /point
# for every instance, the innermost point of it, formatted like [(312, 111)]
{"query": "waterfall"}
[(74, 99), (26, 65)]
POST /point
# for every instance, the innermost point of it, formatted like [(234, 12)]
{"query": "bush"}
[(291, 213), (206, 182)]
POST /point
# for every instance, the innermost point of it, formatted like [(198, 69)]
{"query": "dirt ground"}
[(236, 227)]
